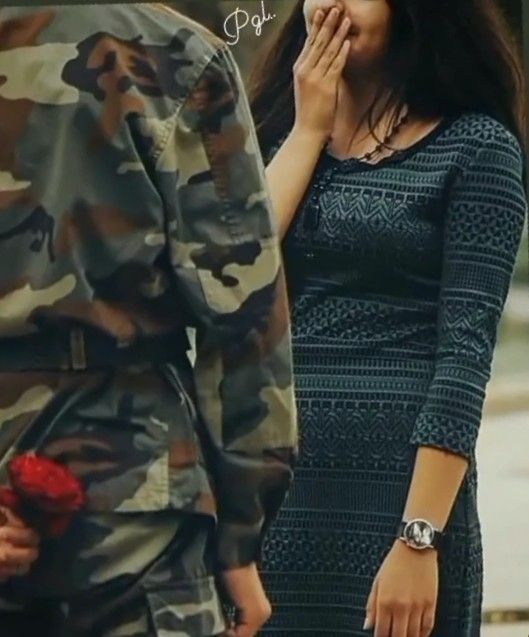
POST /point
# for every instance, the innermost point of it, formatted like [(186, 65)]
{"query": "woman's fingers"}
[(400, 621), (319, 16), (335, 46), (394, 619), (323, 37), (312, 33), (414, 625), (338, 64), (383, 621), (324, 51), (427, 622)]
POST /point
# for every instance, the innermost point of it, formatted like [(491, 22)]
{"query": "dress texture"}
[(398, 274)]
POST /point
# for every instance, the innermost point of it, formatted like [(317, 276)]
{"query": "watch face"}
[(419, 533)]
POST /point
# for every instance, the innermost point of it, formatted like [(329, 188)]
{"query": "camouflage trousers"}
[(119, 575)]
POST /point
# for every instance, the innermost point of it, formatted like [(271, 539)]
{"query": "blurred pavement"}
[(503, 495)]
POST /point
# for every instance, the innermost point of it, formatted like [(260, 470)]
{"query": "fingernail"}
[(367, 623)]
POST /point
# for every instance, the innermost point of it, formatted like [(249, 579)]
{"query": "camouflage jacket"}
[(133, 200)]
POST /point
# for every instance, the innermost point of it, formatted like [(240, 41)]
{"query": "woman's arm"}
[(436, 471), (290, 172), (484, 223), (483, 227), (316, 73)]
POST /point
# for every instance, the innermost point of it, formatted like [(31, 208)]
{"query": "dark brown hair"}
[(445, 57)]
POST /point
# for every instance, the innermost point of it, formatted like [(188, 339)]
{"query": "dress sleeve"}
[(483, 228), (225, 256)]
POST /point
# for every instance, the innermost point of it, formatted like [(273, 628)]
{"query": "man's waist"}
[(76, 347)]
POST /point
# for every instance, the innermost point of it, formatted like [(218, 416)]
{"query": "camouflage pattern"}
[(133, 200), (132, 594)]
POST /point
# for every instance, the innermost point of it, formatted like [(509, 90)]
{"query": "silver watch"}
[(419, 534)]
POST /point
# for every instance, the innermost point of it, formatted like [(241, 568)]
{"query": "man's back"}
[(133, 203), (87, 95)]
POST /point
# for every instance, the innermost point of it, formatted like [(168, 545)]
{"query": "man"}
[(133, 204)]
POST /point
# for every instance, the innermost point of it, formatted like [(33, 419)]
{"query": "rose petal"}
[(46, 483)]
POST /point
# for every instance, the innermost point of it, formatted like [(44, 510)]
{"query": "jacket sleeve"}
[(483, 227), (226, 259)]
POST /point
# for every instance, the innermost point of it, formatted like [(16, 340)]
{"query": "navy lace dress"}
[(398, 274)]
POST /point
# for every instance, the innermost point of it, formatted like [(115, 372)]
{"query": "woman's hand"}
[(317, 72), (403, 598), (18, 545), (245, 591)]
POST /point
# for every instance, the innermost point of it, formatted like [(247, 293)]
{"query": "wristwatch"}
[(420, 534)]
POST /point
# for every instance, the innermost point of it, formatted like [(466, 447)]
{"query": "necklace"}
[(311, 216), (387, 139), (312, 206)]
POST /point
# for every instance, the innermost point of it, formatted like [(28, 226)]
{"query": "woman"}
[(392, 132)]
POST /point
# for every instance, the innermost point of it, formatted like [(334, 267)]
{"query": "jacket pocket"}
[(122, 439), (190, 608)]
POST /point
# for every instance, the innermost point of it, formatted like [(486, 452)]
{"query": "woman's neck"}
[(355, 96)]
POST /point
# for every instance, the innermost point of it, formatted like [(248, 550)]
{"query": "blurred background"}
[(503, 448)]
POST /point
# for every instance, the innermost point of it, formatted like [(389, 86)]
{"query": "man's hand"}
[(18, 545), (244, 588)]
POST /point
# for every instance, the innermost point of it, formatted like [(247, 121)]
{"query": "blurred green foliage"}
[(521, 273)]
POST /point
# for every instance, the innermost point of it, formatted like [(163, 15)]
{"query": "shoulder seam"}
[(501, 135), (173, 118)]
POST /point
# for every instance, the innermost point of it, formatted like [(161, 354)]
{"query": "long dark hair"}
[(446, 57)]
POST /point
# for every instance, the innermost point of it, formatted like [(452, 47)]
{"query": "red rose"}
[(47, 484), (45, 493)]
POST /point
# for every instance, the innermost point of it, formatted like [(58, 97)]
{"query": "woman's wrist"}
[(435, 483), (402, 548), (309, 136)]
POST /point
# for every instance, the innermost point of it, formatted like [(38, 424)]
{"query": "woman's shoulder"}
[(488, 158), (476, 132)]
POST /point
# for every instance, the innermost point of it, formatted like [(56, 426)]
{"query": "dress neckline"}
[(356, 164)]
